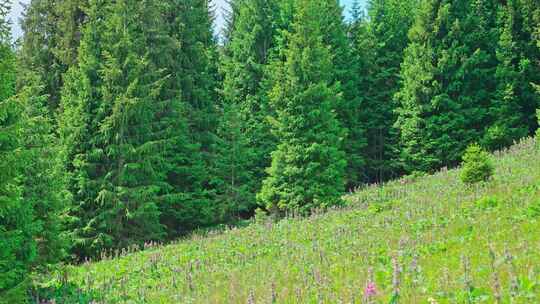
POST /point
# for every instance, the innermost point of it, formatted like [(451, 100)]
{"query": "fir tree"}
[(17, 247), (44, 186), (505, 110), (50, 43), (191, 87), (79, 121), (114, 127), (345, 70), (233, 181), (308, 166), (194, 65), (417, 74), (252, 40), (447, 82), (379, 41), (514, 103), (127, 144)]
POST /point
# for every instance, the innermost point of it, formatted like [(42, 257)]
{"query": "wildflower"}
[(396, 276), (371, 290), (496, 283), (251, 297)]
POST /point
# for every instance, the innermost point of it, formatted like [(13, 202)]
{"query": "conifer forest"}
[(305, 152)]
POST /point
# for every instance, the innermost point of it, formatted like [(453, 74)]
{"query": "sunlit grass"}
[(425, 240)]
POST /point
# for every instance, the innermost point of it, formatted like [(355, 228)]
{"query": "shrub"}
[(538, 130), (477, 165)]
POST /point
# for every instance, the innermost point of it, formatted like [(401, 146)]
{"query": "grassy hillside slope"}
[(429, 240)]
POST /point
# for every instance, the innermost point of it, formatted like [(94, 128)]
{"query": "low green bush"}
[(477, 166)]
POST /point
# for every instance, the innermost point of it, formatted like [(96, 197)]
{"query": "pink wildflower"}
[(371, 290)]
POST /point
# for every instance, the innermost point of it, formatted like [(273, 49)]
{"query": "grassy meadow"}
[(425, 239)]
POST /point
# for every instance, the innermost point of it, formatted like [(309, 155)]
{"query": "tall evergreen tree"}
[(17, 248), (308, 166), (513, 110), (127, 145), (191, 85), (49, 46), (79, 121), (117, 127), (380, 40), (448, 80), (345, 70), (194, 64), (136, 123), (44, 186), (252, 40), (50, 42), (233, 181)]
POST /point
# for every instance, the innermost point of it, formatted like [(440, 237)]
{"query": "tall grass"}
[(425, 240)]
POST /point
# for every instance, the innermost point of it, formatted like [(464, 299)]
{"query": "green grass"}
[(424, 240)]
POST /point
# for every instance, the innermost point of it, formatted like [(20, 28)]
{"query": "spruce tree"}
[(345, 70), (50, 43), (308, 166), (233, 181), (252, 40), (506, 112), (136, 124), (380, 40), (116, 128), (44, 185), (17, 247), (191, 87), (79, 121), (417, 75), (194, 65), (448, 82), (512, 112), (128, 142)]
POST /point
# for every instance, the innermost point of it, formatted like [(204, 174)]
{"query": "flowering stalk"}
[(371, 289), (496, 283)]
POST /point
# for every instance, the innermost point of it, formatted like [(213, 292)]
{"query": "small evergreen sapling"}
[(477, 166), (538, 130)]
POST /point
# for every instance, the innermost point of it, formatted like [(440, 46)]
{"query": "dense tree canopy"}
[(32, 193), (17, 250), (125, 122)]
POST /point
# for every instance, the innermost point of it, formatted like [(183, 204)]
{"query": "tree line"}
[(123, 122)]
